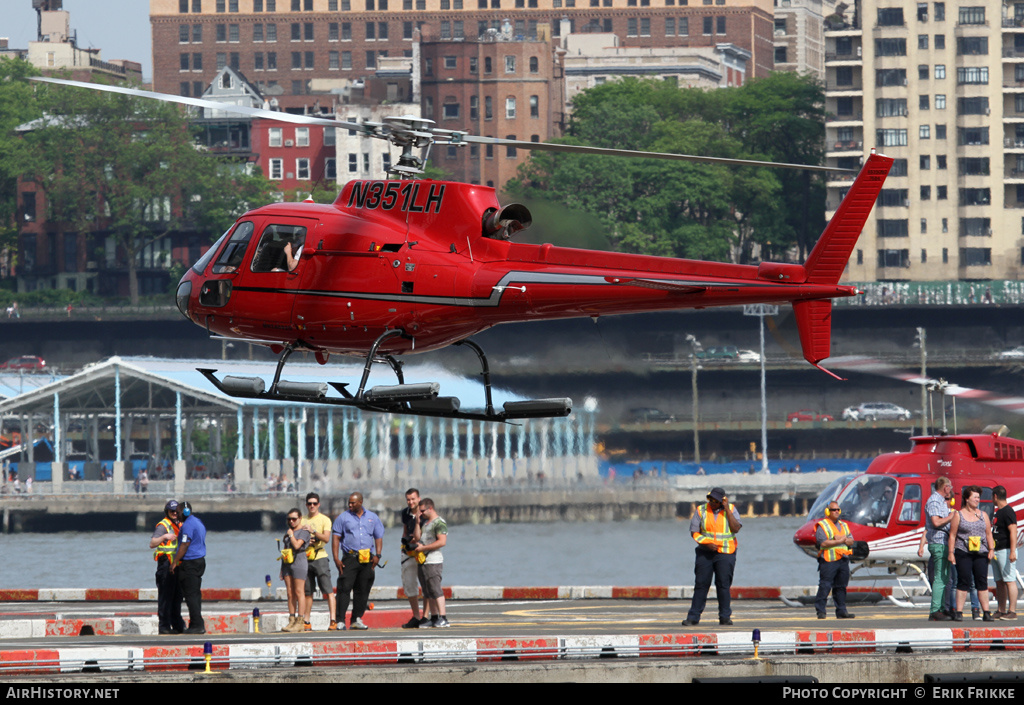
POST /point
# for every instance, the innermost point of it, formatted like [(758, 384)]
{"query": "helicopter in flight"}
[(885, 505), (408, 265)]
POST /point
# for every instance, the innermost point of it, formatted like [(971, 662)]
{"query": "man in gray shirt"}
[(938, 517)]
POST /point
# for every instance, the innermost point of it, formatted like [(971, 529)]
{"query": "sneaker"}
[(307, 626), (333, 626), (987, 617), (426, 621), (357, 623), (195, 630), (691, 622), (413, 623), (1008, 616), (975, 614), (998, 614), (844, 615), (725, 622), (821, 615), (938, 617), (429, 623), (442, 622)]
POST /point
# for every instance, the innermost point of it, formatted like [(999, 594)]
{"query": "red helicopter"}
[(885, 506), (401, 266)]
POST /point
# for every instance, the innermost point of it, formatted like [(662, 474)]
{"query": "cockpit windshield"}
[(869, 500), (828, 494)]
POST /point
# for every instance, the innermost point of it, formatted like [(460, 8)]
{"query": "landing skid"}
[(907, 575), (420, 399)]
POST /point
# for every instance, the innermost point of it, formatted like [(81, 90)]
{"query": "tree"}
[(687, 209), (17, 106), (130, 166)]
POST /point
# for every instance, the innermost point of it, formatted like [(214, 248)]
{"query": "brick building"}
[(293, 48)]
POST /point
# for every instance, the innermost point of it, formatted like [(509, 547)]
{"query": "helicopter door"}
[(275, 269)]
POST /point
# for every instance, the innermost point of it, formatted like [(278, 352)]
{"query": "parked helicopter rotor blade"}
[(868, 365), (606, 151), (214, 105)]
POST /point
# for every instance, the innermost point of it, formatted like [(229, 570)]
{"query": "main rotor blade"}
[(577, 149), (213, 105)]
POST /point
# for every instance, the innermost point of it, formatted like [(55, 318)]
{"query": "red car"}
[(28, 363), (807, 415)]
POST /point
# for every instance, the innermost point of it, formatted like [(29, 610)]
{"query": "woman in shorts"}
[(294, 567)]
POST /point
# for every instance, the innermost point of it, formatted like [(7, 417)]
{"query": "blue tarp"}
[(626, 470)]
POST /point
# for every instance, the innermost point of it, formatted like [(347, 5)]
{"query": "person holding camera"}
[(411, 517), (714, 527)]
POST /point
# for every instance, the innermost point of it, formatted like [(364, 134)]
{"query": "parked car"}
[(646, 415), (1016, 353), (721, 352), (877, 411), (28, 363), (807, 415), (747, 356)]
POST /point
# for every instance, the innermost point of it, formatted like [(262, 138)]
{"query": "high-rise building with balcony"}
[(940, 88)]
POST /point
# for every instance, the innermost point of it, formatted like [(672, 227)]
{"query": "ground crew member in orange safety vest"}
[(164, 543), (714, 527), (834, 541)]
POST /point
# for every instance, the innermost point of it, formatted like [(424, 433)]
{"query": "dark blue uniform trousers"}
[(834, 577), (710, 564)]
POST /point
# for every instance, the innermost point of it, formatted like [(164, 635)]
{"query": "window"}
[(922, 102), (510, 151), (510, 108), (474, 107), (940, 72), (894, 258), (534, 106), (940, 11), (940, 101), (275, 137), (971, 75), (488, 108), (972, 46), (924, 132), (942, 194), (892, 137), (279, 247), (534, 64), (975, 227), (510, 64), (892, 229), (301, 136), (893, 197), (631, 27), (975, 256), (975, 196), (890, 16), (972, 106), (887, 77), (890, 107), (450, 111), (708, 25), (973, 166), (924, 162), (972, 135), (922, 41), (353, 163), (926, 194), (922, 72), (302, 169), (896, 46), (972, 15)]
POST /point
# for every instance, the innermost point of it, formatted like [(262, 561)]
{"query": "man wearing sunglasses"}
[(319, 527), (835, 544)]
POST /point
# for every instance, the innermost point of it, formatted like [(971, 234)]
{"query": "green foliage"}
[(130, 166), (686, 209), (17, 106)]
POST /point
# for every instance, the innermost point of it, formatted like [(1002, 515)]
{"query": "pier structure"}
[(112, 420)]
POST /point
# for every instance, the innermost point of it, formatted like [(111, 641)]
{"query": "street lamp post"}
[(762, 310), (696, 348)]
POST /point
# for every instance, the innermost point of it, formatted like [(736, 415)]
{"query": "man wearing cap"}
[(714, 527), (164, 543)]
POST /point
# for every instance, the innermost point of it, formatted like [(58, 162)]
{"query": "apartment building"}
[(940, 88), (286, 46), (800, 35)]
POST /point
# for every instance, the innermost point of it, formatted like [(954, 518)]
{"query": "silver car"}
[(877, 411)]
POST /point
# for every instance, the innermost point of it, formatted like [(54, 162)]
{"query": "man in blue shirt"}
[(357, 538), (190, 564)]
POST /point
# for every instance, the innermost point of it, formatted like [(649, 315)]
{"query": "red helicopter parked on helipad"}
[(885, 505), (410, 265)]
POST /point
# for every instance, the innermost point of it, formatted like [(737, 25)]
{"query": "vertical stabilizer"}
[(828, 259)]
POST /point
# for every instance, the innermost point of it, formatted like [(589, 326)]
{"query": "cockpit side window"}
[(279, 249), (200, 266), (231, 257)]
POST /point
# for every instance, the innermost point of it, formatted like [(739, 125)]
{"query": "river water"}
[(623, 553)]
